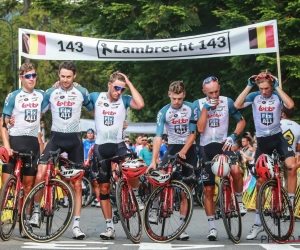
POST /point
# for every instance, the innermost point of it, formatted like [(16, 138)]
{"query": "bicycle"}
[(55, 219), (228, 205), (165, 201), (11, 198), (87, 195), (275, 208), (127, 205)]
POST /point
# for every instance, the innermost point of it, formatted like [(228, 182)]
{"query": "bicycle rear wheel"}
[(230, 212), (274, 221), (168, 225), (87, 195), (55, 219), (130, 217), (9, 212)]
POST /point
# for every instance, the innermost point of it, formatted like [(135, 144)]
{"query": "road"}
[(92, 224)]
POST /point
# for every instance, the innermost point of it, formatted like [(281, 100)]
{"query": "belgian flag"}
[(34, 44), (261, 37)]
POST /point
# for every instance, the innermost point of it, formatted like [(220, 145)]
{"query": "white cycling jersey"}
[(109, 117), (26, 109), (291, 132), (266, 113)]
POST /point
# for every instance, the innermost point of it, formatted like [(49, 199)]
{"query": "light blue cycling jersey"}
[(66, 107), (266, 113), (216, 129), (109, 117), (26, 108), (177, 122)]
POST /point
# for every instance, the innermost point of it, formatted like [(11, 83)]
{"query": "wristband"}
[(206, 106), (233, 136)]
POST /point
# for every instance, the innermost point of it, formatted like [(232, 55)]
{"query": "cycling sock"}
[(211, 221), (37, 207), (257, 218), (135, 191), (66, 198), (181, 218), (109, 223), (239, 196), (155, 203), (76, 221), (292, 198)]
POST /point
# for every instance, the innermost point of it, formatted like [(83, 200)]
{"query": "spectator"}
[(128, 143), (164, 147), (143, 144)]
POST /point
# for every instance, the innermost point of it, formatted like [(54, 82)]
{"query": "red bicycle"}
[(11, 198), (275, 207)]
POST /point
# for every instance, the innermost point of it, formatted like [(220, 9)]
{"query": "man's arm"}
[(5, 136), (201, 123), (288, 102)]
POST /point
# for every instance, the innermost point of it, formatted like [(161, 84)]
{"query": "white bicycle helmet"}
[(158, 178), (71, 174), (221, 165), (134, 168)]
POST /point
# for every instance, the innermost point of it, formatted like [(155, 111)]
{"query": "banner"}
[(253, 39)]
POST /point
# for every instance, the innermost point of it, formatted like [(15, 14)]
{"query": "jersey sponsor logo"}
[(30, 115), (213, 115), (265, 108), (180, 129), (65, 113), (29, 105), (64, 103), (289, 136), (106, 104), (26, 99), (179, 121), (158, 118), (108, 120), (62, 97), (214, 123), (267, 118), (104, 112), (175, 115)]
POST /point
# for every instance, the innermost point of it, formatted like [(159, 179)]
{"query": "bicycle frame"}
[(228, 197), (126, 211), (279, 196)]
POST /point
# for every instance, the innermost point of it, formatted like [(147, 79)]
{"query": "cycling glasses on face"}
[(264, 76), (118, 88), (210, 79), (28, 76)]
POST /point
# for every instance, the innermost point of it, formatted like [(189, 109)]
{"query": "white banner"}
[(253, 39)]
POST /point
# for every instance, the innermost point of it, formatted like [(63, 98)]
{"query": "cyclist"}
[(266, 108), (213, 125), (110, 112), (25, 105), (179, 119), (65, 103)]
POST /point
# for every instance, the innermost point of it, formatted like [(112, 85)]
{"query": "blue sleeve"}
[(160, 121), (9, 104), (141, 156), (126, 100), (250, 97), (233, 111), (197, 107), (86, 98), (193, 118), (94, 96), (46, 100)]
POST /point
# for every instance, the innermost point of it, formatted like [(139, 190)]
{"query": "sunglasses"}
[(127, 141), (210, 79), (28, 76), (264, 76), (118, 88)]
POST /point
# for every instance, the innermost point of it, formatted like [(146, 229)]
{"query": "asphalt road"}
[(92, 224)]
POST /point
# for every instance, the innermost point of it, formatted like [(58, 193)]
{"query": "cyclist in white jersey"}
[(213, 125), (24, 105), (290, 128), (179, 119), (65, 103), (110, 112), (266, 108)]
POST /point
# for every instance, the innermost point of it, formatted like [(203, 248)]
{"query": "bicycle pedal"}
[(115, 219)]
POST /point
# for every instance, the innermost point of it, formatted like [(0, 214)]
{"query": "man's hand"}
[(151, 167), (11, 121), (276, 83), (251, 81), (182, 154), (57, 84), (211, 104), (228, 143), (126, 78), (9, 151)]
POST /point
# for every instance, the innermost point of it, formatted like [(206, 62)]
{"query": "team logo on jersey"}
[(29, 105), (62, 97), (65, 113), (30, 115), (179, 121), (175, 115), (289, 136), (106, 104), (108, 120), (100, 104), (214, 122), (180, 129), (265, 108), (267, 118), (26, 99)]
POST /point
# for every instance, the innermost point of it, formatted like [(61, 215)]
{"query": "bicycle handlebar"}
[(119, 157)]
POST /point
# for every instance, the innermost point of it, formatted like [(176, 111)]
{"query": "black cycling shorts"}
[(266, 145), (208, 152), (71, 143), (24, 144), (105, 151), (191, 158)]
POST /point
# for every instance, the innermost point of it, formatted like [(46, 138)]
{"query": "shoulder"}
[(189, 104), (82, 90), (126, 97), (164, 109), (50, 91), (12, 96)]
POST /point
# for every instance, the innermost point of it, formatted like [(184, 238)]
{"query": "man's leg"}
[(135, 184), (291, 164)]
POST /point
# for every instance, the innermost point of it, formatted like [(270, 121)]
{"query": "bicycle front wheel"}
[(279, 225), (129, 215), (55, 218), (164, 225), (230, 212), (9, 201), (87, 195)]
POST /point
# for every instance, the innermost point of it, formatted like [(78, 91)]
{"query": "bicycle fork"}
[(127, 210)]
